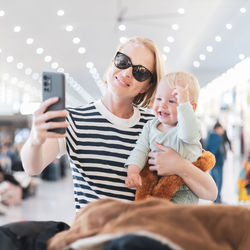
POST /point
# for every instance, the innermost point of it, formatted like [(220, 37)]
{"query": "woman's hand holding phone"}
[(41, 122)]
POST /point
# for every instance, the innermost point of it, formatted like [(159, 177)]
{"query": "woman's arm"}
[(42, 146), (169, 162)]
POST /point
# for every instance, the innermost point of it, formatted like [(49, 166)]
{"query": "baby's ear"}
[(194, 105)]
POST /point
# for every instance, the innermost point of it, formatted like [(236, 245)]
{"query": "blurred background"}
[(209, 39)]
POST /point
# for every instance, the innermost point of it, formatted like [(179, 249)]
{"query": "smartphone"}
[(53, 85)]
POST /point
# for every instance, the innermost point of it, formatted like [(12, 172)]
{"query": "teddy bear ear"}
[(206, 161)]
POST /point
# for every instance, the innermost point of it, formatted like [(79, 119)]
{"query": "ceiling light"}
[(19, 65), (181, 11), (69, 28), (241, 56), (29, 41), (209, 48), (28, 71), (175, 26), (0, 50), (122, 27), (81, 50), (10, 59), (229, 26), (202, 57), (196, 64), (243, 10), (89, 65), (166, 49), (218, 39), (39, 51), (76, 40), (47, 58), (2, 12), (60, 12), (17, 28), (123, 39), (54, 65), (170, 39)]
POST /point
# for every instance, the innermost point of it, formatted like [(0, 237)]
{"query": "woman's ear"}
[(146, 88)]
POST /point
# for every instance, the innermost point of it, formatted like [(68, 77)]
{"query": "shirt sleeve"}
[(139, 155), (188, 129)]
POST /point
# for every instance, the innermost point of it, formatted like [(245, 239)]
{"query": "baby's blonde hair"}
[(181, 79)]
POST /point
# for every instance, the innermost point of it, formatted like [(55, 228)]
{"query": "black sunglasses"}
[(139, 72)]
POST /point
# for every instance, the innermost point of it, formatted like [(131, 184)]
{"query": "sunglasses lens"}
[(122, 61), (141, 74)]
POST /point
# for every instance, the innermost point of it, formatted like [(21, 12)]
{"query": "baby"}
[(175, 125)]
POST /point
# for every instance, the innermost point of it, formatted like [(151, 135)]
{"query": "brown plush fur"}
[(166, 186)]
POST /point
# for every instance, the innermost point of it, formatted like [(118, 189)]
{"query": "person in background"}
[(101, 134), (226, 144), (175, 126), (214, 144)]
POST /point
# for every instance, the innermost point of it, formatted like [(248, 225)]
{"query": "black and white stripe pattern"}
[(98, 150)]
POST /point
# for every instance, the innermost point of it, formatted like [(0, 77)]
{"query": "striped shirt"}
[(98, 144)]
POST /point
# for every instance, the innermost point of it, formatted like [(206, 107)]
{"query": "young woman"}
[(101, 135)]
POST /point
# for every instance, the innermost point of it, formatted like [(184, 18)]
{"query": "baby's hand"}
[(133, 180), (181, 94)]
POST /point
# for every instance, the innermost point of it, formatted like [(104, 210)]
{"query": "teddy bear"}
[(166, 186)]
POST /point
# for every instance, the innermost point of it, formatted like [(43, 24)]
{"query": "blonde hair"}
[(181, 79), (146, 99)]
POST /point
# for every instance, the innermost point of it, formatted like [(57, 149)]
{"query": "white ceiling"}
[(96, 23)]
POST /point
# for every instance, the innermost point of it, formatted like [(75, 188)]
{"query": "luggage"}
[(30, 235)]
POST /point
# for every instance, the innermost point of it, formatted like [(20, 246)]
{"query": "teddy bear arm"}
[(206, 161), (149, 180)]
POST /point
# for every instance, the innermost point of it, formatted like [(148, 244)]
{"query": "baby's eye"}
[(172, 101), (158, 99)]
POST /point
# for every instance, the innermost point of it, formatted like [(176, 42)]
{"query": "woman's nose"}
[(127, 72)]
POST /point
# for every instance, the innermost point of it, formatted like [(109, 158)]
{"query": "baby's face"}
[(165, 104)]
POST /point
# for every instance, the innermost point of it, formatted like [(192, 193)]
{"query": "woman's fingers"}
[(46, 104), (52, 125), (50, 115)]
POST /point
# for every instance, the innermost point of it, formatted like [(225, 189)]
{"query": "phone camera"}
[(45, 77)]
